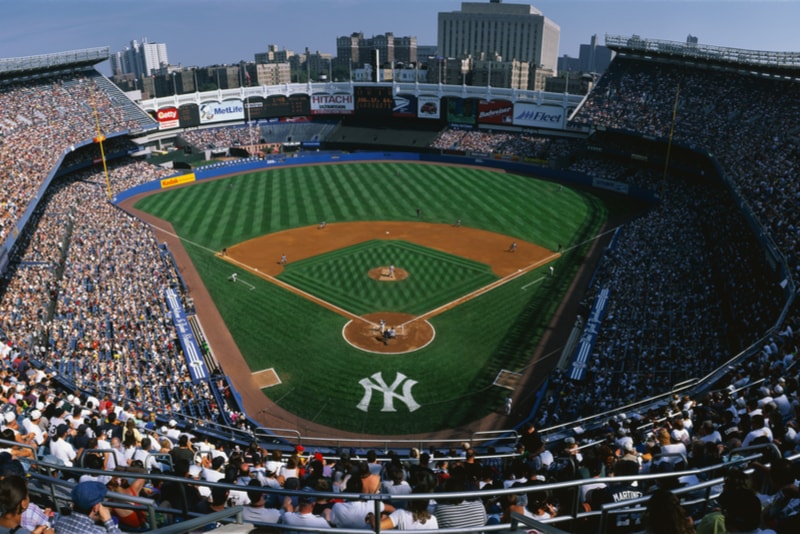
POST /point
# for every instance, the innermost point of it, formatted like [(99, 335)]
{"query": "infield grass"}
[(340, 277), (320, 373)]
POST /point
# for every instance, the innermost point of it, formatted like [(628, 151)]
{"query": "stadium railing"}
[(497, 438), (43, 482)]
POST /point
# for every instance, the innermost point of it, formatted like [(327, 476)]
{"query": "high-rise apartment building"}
[(355, 50), (140, 59), (495, 31), (594, 57)]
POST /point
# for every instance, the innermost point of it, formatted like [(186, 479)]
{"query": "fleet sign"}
[(536, 116)]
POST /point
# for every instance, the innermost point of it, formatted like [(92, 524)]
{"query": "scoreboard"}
[(373, 100), (276, 106)]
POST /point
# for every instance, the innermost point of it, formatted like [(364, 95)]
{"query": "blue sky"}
[(204, 32)]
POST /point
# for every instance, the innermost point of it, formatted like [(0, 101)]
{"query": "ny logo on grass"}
[(375, 382)]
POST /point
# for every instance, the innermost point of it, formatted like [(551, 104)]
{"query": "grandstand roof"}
[(775, 63), (31, 66)]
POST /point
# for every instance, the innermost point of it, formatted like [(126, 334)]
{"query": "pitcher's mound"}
[(409, 336), (385, 274)]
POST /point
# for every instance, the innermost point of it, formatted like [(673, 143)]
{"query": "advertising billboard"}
[(461, 110), (327, 104), (428, 107), (228, 110), (167, 118), (536, 116), (495, 112), (405, 106)]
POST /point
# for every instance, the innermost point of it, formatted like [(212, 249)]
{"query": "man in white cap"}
[(31, 426), (173, 432)]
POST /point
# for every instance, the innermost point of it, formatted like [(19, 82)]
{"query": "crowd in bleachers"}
[(87, 297), (222, 137), (747, 122), (39, 120), (509, 143), (254, 134)]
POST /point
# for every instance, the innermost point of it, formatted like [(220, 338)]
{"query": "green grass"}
[(341, 277), (303, 342)]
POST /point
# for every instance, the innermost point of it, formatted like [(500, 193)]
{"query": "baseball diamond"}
[(313, 320)]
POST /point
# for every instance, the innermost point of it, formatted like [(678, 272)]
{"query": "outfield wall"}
[(257, 164)]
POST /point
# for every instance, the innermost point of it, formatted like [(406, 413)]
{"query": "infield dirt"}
[(262, 256)]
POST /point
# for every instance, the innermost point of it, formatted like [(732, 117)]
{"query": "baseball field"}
[(427, 249)]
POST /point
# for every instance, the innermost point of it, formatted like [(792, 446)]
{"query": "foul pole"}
[(99, 138)]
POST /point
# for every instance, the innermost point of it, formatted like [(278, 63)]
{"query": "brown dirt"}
[(263, 254), (385, 274), (411, 333)]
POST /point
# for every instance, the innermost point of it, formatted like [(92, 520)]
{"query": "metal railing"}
[(58, 490)]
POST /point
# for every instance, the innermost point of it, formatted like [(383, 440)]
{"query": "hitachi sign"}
[(331, 99), (538, 116)]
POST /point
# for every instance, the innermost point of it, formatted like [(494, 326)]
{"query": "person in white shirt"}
[(60, 447), (256, 510), (708, 433), (31, 426), (758, 429), (304, 516), (352, 512), (143, 454)]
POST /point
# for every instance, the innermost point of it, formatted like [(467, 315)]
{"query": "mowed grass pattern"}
[(341, 277), (302, 341)]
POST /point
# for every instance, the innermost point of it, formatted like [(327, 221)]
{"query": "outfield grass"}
[(320, 373)]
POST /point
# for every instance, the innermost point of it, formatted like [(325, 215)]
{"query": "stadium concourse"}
[(696, 295)]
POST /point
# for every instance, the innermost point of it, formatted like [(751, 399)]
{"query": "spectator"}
[(665, 515), (87, 509)]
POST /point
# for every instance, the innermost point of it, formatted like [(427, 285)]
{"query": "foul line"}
[(425, 316), (497, 283)]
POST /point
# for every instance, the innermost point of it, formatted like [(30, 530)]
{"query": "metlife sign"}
[(229, 110), (536, 116)]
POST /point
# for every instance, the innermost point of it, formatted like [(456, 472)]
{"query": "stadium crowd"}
[(40, 120), (516, 144), (85, 295)]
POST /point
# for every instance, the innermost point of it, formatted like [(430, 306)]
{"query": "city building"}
[(355, 50), (273, 55), (271, 74), (594, 57), (494, 30), (139, 59)]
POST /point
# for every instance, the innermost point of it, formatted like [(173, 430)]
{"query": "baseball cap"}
[(307, 499), (88, 493)]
